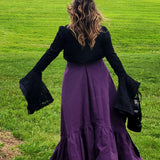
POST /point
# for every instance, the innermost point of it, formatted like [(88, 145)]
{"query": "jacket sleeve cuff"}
[(35, 91), (127, 89)]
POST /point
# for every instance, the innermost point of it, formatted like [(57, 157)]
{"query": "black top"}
[(75, 53), (37, 94)]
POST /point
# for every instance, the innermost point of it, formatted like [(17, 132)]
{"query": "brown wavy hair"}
[(85, 21)]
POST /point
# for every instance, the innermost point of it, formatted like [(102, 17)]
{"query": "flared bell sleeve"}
[(32, 86), (127, 86), (127, 90)]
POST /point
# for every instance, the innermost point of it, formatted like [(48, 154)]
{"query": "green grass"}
[(27, 28), (1, 145)]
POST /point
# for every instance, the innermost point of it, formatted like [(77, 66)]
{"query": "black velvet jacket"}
[(37, 94)]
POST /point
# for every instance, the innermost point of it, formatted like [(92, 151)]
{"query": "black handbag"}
[(134, 121)]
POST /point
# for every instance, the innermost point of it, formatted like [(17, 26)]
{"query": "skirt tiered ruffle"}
[(90, 128)]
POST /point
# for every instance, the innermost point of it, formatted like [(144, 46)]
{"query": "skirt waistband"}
[(84, 64)]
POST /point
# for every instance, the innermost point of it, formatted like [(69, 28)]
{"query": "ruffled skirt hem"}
[(96, 143)]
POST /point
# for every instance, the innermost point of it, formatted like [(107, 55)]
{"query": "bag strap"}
[(139, 95)]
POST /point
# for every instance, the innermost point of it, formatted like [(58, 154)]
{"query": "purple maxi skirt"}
[(90, 128)]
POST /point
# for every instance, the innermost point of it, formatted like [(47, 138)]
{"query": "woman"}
[(91, 127)]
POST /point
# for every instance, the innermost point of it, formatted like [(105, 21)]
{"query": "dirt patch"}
[(8, 145)]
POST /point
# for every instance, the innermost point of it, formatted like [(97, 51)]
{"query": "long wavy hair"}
[(85, 21)]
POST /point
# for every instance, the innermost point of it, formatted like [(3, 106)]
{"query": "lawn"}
[(27, 29)]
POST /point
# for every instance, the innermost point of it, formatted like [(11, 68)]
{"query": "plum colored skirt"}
[(90, 128)]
